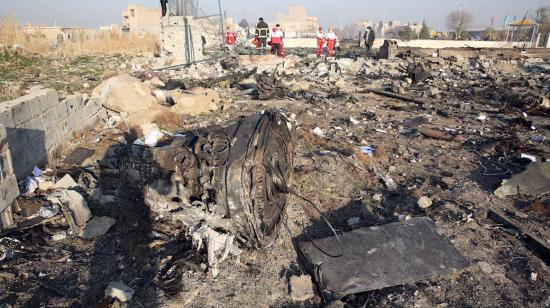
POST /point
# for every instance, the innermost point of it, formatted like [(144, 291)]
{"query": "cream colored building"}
[(297, 23), (140, 19)]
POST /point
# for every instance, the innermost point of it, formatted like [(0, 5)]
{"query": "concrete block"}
[(84, 115), (72, 122), (3, 134), (35, 128), (52, 139), (74, 103), (17, 138), (62, 129), (61, 110), (37, 153), (38, 103), (6, 219), (22, 110), (8, 192), (6, 116), (51, 98), (49, 119), (20, 163)]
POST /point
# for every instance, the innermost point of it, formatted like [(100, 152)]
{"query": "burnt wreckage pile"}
[(233, 179)]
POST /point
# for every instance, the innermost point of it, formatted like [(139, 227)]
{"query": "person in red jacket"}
[(276, 40), (331, 41), (230, 38), (320, 41)]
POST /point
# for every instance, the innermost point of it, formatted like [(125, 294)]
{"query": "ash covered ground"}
[(476, 113)]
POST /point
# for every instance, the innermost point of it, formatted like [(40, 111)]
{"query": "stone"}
[(97, 227), (354, 221), (79, 211), (434, 91), (449, 181), (485, 267), (120, 291), (66, 182), (199, 101), (120, 94), (301, 288), (424, 202)]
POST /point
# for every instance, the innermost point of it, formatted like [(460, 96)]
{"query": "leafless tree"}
[(459, 21), (544, 19)]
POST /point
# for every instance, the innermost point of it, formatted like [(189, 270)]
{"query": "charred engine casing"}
[(235, 178)]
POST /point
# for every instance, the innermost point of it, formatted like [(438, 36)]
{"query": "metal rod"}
[(207, 16), (393, 95), (187, 64)]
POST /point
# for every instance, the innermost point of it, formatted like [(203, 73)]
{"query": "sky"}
[(94, 13)]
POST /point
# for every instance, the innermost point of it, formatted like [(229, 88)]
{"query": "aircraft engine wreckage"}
[(234, 180)]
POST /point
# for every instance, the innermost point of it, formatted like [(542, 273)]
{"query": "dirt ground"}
[(155, 258)]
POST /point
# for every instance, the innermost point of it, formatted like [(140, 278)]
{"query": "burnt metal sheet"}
[(380, 257)]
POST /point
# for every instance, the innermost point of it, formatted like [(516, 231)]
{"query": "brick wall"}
[(39, 123)]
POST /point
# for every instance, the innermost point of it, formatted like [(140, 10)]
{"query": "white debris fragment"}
[(219, 246), (120, 291), (66, 182), (318, 131)]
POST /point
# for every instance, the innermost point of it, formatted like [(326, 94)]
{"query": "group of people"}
[(265, 36), (329, 39)]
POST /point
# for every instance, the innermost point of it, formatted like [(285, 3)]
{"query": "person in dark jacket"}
[(369, 39), (163, 4), (262, 33)]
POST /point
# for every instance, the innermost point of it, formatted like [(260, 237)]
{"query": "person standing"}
[(369, 39), (320, 42), (331, 41), (262, 33), (163, 5), (230, 38), (276, 40)]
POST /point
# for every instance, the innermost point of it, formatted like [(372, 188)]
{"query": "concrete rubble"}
[(196, 184)]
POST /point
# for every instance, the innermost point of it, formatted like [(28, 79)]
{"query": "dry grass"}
[(169, 121), (82, 42)]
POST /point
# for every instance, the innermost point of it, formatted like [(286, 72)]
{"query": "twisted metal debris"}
[(234, 179)]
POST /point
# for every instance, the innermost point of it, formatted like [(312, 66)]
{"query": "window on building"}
[(132, 12)]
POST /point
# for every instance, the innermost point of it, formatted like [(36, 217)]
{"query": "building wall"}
[(174, 36), (38, 124), (297, 23), (140, 19)]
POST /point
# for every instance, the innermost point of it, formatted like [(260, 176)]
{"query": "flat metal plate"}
[(383, 256)]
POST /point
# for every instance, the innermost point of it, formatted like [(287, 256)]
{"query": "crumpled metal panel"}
[(234, 178)]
